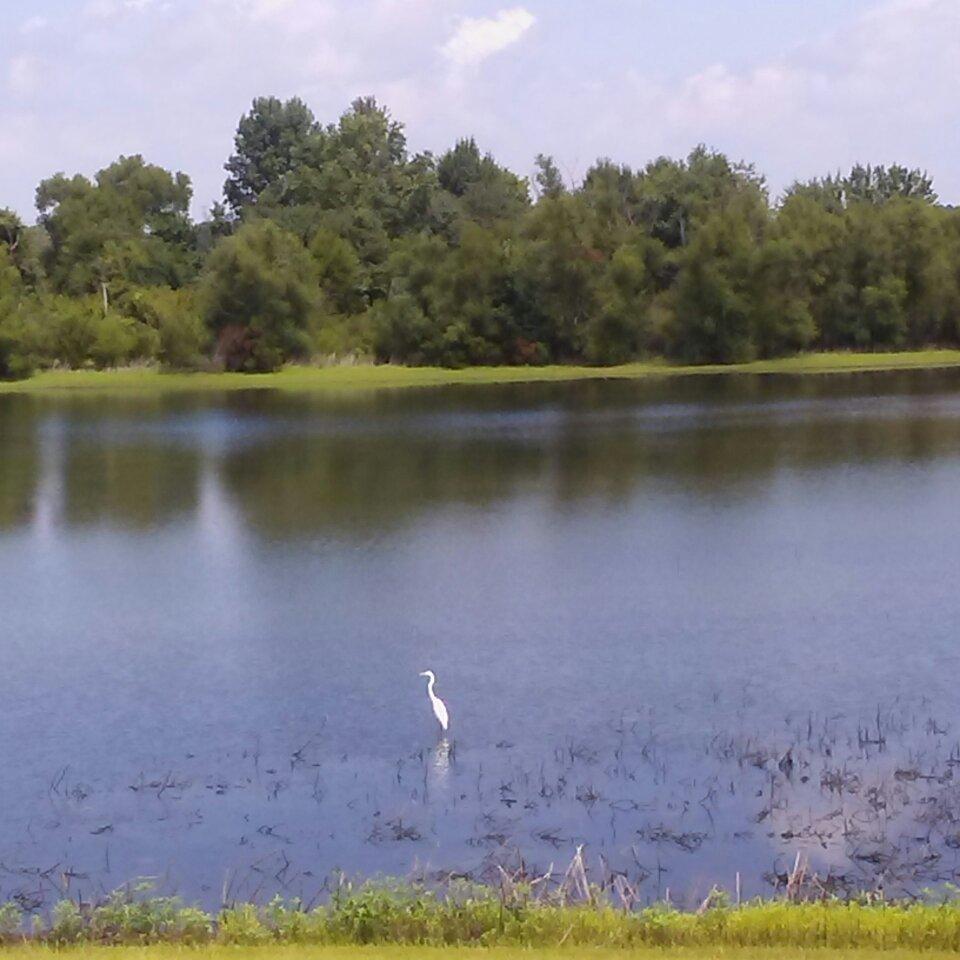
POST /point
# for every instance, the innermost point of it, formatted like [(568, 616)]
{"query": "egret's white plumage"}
[(439, 707)]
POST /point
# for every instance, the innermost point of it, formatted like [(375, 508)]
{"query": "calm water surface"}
[(638, 597)]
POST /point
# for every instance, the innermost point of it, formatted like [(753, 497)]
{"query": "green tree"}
[(407, 327), (867, 184), (487, 192), (448, 306), (712, 305), (549, 180), (558, 268), (24, 247), (610, 190), (339, 271), (470, 302), (259, 294), (668, 197), (16, 355), (77, 332), (884, 311), (861, 307), (270, 143), (780, 299), (924, 254), (673, 196), (620, 330), (403, 333), (356, 180), (881, 184), (460, 167), (130, 227), (182, 338)]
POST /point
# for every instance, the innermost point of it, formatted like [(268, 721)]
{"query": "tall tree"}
[(487, 192), (867, 184), (548, 178), (270, 142), (712, 322), (558, 267), (24, 246), (130, 226)]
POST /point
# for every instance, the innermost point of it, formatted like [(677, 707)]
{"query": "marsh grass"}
[(408, 952), (370, 377), (471, 915)]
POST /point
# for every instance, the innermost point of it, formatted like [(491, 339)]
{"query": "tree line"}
[(335, 241)]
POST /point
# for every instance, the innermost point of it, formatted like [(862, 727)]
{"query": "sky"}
[(799, 87)]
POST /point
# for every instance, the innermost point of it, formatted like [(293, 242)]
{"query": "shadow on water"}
[(19, 464), (663, 613), (298, 466)]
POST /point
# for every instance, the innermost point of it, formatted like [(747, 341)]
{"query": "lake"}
[(699, 626)]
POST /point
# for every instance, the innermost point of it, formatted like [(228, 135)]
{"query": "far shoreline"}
[(371, 377)]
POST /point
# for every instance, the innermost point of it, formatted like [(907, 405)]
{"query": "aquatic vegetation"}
[(818, 808), (513, 914)]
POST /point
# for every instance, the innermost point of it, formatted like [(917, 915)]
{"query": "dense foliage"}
[(335, 241)]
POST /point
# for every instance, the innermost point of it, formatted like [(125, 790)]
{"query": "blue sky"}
[(800, 87)]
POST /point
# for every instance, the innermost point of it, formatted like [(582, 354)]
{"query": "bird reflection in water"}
[(442, 761)]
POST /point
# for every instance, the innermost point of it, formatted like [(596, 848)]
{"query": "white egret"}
[(439, 707)]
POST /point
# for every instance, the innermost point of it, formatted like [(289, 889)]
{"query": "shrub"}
[(17, 343), (118, 339), (182, 338), (71, 326), (290, 923), (77, 332), (338, 336), (67, 924), (127, 917), (515, 914), (401, 330), (261, 281), (241, 925), (11, 921), (339, 271)]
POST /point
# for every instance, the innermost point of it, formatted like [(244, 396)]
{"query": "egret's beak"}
[(424, 674)]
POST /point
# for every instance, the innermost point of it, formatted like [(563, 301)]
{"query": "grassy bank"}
[(281, 952), (482, 917), (368, 377)]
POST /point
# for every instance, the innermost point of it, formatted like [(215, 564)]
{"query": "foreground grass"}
[(281, 952), (402, 916), (369, 377)]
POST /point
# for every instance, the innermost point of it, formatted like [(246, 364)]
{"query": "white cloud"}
[(106, 9), (179, 73), (883, 90), (23, 75), (33, 24), (21, 137), (718, 97), (269, 9), (476, 39)]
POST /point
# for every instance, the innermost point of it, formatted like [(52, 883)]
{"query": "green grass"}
[(471, 916), (369, 377), (287, 952)]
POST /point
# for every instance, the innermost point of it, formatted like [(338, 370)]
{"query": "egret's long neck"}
[(430, 683)]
